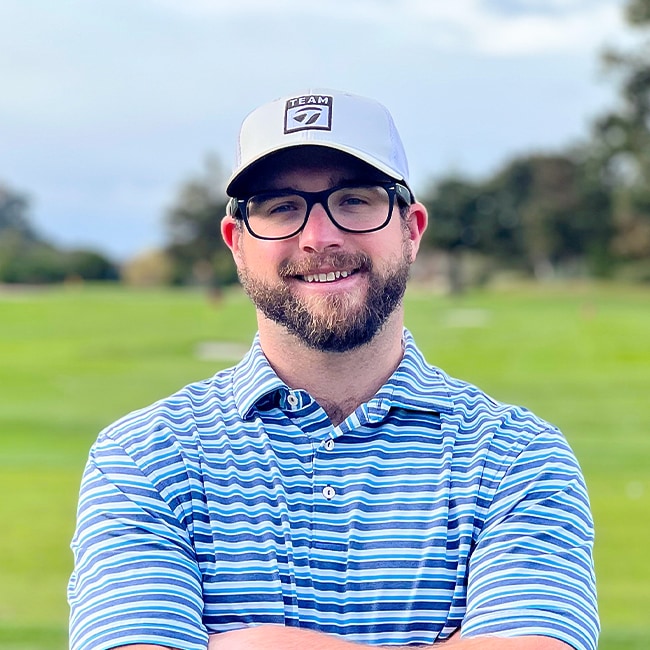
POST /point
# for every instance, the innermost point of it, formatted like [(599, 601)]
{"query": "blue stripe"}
[(205, 512)]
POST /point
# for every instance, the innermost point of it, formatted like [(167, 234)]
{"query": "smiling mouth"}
[(332, 276), (326, 268)]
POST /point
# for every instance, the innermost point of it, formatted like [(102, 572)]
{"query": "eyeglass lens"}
[(282, 214)]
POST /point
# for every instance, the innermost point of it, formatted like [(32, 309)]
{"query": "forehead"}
[(292, 167)]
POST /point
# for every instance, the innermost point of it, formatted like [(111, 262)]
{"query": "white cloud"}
[(521, 27), (573, 26)]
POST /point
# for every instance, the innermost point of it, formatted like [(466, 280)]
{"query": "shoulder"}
[(463, 405), (477, 424), (471, 402), (478, 415), (468, 404), (178, 418), (510, 450)]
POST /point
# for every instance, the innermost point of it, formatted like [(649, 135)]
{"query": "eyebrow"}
[(333, 182)]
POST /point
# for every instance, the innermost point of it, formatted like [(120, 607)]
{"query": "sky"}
[(108, 106)]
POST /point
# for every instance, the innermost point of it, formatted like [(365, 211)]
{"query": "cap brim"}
[(241, 175)]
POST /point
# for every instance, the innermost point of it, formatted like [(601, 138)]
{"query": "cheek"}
[(396, 245), (258, 257)]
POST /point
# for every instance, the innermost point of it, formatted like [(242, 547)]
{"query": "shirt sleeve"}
[(136, 579), (531, 571)]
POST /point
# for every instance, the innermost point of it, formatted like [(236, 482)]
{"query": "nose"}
[(320, 232)]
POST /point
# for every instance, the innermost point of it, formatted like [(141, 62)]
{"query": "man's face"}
[(333, 290)]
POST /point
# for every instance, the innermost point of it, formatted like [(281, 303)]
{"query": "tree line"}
[(582, 211), (27, 257)]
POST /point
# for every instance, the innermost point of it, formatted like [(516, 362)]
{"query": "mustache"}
[(335, 261)]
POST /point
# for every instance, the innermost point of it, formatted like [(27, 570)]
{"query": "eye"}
[(281, 206), (355, 198), (274, 205)]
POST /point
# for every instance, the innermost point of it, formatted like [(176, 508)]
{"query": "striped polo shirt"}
[(236, 502)]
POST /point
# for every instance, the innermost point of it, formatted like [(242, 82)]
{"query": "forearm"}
[(143, 646), (501, 643), (277, 637)]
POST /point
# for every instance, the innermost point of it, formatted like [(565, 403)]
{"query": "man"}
[(332, 490)]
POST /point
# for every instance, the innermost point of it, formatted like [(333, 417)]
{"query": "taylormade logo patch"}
[(308, 112)]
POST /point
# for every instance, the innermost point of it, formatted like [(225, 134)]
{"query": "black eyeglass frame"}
[(238, 208)]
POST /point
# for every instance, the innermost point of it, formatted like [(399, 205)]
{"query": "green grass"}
[(72, 359)]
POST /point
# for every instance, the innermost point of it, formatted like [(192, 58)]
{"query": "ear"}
[(416, 222), (231, 232)]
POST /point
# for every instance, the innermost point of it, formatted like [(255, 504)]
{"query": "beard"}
[(339, 321)]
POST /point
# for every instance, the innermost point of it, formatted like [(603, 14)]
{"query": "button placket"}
[(323, 460)]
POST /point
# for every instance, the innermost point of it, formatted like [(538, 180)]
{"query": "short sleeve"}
[(136, 579), (531, 571)]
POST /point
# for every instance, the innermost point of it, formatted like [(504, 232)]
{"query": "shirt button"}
[(329, 444), (329, 492), (293, 400)]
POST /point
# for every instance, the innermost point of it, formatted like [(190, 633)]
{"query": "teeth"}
[(327, 277)]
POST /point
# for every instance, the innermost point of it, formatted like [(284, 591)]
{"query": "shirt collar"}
[(253, 379), (415, 385)]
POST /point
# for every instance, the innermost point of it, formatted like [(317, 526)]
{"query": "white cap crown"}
[(355, 125)]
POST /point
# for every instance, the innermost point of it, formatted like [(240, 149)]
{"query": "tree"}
[(149, 269), (196, 249), (13, 213), (622, 138), (452, 207), (551, 211), (539, 214), (89, 265), (455, 225), (638, 12)]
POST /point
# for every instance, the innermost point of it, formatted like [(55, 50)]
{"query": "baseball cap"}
[(358, 126)]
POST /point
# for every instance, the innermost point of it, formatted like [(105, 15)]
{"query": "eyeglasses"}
[(357, 208)]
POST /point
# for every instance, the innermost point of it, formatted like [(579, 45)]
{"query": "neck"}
[(338, 381)]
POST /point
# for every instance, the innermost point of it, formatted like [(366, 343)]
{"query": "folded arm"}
[(276, 637)]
